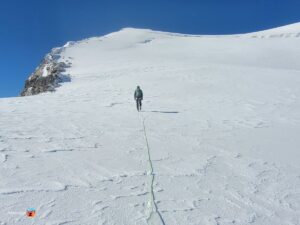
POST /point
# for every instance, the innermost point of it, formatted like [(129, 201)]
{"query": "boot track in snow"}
[(154, 217)]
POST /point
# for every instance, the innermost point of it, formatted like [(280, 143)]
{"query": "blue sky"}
[(29, 29)]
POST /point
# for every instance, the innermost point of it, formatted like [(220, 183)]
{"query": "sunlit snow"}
[(222, 121)]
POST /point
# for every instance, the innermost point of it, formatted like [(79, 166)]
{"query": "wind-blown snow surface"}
[(222, 120)]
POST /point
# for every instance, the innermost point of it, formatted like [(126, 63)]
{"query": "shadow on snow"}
[(164, 112)]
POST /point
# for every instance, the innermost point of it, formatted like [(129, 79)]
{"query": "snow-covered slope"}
[(217, 141), (292, 30)]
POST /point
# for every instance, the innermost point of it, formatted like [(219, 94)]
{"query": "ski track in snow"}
[(222, 128)]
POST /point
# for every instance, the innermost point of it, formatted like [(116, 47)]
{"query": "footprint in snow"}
[(113, 104), (58, 150), (4, 157)]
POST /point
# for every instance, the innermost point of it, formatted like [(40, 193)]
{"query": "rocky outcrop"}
[(47, 76)]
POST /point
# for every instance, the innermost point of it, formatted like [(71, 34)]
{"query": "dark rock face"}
[(47, 75)]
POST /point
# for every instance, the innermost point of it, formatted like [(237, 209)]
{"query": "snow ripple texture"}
[(222, 120)]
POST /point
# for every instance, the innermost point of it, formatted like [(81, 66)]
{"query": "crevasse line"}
[(155, 217)]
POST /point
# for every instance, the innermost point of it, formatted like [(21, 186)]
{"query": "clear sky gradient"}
[(29, 29)]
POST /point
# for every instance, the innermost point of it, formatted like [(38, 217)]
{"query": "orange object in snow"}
[(30, 213)]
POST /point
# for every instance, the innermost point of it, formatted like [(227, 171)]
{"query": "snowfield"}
[(217, 142)]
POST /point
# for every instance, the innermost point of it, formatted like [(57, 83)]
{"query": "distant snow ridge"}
[(292, 30), (47, 75)]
